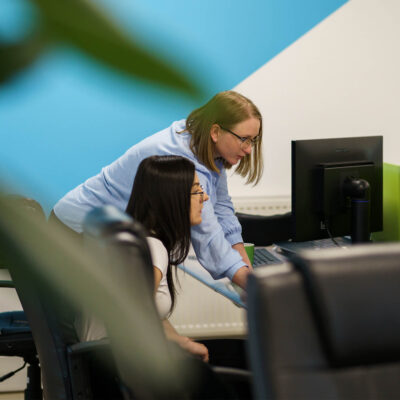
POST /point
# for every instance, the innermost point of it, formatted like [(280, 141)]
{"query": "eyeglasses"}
[(200, 193), (245, 142)]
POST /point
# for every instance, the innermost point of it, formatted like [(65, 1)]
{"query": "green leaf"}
[(15, 57), (84, 25)]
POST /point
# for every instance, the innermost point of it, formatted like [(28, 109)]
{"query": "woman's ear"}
[(214, 132)]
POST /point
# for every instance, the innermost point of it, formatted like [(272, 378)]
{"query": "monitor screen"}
[(336, 187)]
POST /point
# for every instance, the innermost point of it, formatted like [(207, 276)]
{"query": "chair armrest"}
[(237, 381), (233, 373), (7, 284), (93, 371), (88, 347)]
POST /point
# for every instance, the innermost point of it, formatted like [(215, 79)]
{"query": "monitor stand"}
[(359, 192)]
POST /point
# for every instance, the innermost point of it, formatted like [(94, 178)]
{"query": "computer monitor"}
[(337, 188)]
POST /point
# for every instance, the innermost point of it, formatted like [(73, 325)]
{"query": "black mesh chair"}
[(39, 259), (115, 236), (327, 325), (120, 242), (15, 333), (20, 231), (57, 279)]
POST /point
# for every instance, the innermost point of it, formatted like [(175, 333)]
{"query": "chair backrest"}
[(121, 243), (263, 230), (38, 299), (123, 239), (327, 325), (55, 276)]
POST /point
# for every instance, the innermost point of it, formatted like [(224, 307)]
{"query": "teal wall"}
[(66, 117)]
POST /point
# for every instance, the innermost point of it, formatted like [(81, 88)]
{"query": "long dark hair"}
[(160, 200)]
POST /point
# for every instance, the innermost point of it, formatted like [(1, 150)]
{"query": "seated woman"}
[(167, 200)]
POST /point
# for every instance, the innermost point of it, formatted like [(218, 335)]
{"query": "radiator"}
[(262, 205), (202, 313)]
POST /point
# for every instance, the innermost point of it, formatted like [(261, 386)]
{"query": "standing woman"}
[(167, 200), (225, 132)]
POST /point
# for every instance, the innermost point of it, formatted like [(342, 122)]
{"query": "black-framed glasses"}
[(245, 142), (199, 192)]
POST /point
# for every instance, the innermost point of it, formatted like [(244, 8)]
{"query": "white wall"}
[(340, 79)]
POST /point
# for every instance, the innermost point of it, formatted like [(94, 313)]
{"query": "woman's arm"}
[(217, 241), (242, 251), (157, 278), (159, 257), (197, 349), (213, 239), (240, 277)]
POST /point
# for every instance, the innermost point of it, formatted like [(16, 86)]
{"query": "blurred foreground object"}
[(55, 278), (85, 26), (15, 333), (327, 325), (114, 235)]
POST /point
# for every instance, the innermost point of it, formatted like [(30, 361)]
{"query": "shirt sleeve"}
[(225, 212), (159, 254), (212, 239)]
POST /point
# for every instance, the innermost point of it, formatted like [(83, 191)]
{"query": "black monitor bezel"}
[(308, 158)]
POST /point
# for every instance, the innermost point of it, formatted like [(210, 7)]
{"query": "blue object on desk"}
[(220, 287)]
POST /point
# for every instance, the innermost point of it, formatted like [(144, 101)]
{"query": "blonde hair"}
[(227, 109)]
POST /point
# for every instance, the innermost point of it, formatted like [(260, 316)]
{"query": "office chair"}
[(35, 296), (15, 334), (264, 230), (121, 243), (54, 276), (327, 325), (115, 235), (39, 259)]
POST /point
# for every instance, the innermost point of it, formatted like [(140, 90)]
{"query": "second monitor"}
[(337, 188)]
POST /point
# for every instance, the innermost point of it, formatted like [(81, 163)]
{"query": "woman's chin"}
[(196, 222), (232, 161)]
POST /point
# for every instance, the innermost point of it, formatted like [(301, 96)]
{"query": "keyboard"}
[(264, 257), (295, 247)]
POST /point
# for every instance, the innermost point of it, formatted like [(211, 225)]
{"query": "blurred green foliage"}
[(85, 26)]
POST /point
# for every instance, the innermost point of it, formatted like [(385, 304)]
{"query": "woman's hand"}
[(242, 251), (240, 277), (197, 349), (194, 348)]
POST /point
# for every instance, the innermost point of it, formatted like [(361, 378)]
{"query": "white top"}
[(88, 327), (159, 256)]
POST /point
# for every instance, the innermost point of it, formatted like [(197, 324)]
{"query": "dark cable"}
[(330, 234), (10, 374)]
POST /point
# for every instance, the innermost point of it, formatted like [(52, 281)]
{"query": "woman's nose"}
[(248, 149), (205, 196)]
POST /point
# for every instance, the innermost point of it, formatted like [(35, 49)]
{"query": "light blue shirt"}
[(212, 239)]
